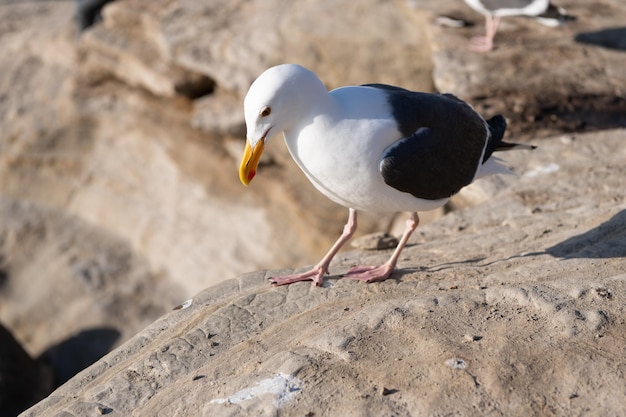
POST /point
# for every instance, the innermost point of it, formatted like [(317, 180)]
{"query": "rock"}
[(155, 46), (264, 34), (228, 106), (77, 291), (23, 381), (127, 46), (535, 272)]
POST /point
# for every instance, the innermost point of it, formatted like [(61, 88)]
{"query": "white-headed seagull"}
[(373, 147)]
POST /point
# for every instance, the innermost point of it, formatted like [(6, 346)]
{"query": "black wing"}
[(442, 146)]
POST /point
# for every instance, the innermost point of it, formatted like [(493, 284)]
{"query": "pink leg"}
[(382, 272), (317, 273), (485, 43)]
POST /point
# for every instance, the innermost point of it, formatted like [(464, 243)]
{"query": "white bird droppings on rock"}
[(456, 363), (282, 386), (184, 305)]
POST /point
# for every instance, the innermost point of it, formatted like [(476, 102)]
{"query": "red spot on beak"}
[(251, 175)]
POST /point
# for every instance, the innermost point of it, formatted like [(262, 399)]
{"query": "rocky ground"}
[(509, 308), (119, 196)]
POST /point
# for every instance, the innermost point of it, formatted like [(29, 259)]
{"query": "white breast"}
[(533, 8), (340, 153)]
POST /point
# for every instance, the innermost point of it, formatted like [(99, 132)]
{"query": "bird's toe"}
[(370, 273)]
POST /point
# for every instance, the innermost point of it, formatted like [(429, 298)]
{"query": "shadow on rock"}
[(608, 240), (613, 38), (78, 352), (23, 381)]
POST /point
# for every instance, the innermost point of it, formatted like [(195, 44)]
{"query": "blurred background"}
[(121, 129)]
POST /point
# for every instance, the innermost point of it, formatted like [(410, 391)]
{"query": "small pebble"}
[(471, 338), (388, 391), (184, 305), (104, 410)]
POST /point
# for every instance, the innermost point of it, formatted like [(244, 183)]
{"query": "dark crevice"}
[(195, 86)]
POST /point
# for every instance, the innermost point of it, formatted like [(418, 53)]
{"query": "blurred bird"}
[(541, 10)]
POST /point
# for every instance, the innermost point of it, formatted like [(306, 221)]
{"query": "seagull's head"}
[(274, 104)]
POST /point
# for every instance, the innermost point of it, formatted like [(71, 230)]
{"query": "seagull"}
[(493, 10), (373, 147)]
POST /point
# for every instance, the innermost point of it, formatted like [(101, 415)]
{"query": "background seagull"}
[(493, 10)]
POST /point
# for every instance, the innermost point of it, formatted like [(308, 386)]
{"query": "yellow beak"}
[(250, 161)]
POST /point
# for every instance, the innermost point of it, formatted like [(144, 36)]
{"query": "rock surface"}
[(77, 291), (512, 307)]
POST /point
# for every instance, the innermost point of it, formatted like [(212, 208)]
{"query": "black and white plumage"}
[(542, 10), (373, 147)]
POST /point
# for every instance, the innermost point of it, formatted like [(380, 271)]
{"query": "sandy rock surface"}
[(94, 291), (512, 307)]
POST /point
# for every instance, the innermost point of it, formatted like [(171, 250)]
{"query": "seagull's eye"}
[(266, 111)]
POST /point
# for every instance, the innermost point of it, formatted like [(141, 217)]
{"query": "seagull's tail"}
[(555, 16), (491, 164), (494, 165), (507, 146), (497, 126)]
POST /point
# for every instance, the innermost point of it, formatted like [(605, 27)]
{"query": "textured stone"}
[(129, 46), (77, 291), (510, 307)]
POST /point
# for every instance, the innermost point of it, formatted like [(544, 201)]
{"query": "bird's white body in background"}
[(541, 10)]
